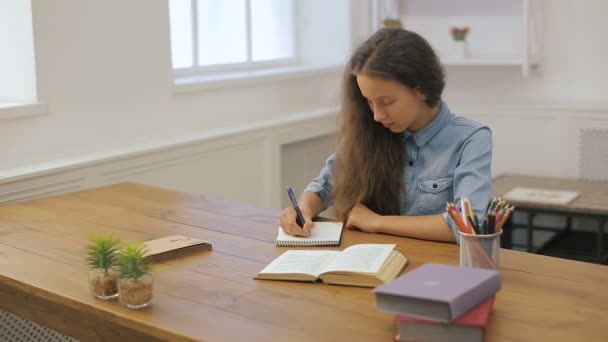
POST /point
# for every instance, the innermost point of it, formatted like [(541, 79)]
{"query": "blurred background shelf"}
[(483, 60), (510, 28)]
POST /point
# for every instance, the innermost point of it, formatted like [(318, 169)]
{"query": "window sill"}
[(11, 111), (187, 84)]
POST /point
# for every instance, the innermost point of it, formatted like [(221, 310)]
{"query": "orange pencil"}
[(451, 209)]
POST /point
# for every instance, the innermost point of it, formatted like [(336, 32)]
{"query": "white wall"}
[(104, 71), (573, 68), (17, 77), (537, 120), (317, 28), (303, 160)]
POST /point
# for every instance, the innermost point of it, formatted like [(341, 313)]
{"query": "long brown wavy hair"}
[(370, 158)]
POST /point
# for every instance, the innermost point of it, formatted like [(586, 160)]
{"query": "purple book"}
[(437, 292)]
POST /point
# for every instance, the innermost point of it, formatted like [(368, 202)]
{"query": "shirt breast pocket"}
[(433, 192)]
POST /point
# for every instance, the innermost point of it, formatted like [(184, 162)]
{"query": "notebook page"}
[(323, 234), (299, 261), (366, 258)]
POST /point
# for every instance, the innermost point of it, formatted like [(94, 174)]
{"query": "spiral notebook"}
[(323, 234)]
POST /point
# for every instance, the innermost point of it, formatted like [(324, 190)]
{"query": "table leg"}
[(506, 239), (529, 220), (600, 239)]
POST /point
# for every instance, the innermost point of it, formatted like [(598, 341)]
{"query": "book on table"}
[(470, 327), (544, 196), (437, 292), (322, 234), (366, 265), (173, 246)]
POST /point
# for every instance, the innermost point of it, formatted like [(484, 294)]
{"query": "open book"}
[(367, 265), (323, 234)]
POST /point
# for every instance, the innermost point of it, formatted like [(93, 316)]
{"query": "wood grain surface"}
[(212, 296)]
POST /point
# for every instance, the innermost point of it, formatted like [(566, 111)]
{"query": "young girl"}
[(401, 152)]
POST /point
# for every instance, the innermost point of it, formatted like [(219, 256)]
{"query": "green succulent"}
[(101, 252), (132, 261)]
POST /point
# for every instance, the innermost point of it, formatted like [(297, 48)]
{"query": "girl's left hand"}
[(362, 218)]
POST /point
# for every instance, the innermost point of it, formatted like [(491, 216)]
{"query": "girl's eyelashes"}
[(383, 103)]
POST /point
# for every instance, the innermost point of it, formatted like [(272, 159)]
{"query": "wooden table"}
[(212, 296), (591, 203)]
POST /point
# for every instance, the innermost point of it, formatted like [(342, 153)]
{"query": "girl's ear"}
[(420, 95)]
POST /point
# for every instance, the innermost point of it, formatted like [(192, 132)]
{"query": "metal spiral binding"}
[(305, 243)]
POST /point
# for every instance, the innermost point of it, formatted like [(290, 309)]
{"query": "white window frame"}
[(249, 65), (29, 104)]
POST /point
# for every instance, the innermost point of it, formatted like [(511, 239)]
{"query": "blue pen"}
[(292, 198)]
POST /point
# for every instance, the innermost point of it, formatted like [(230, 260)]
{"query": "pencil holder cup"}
[(480, 251)]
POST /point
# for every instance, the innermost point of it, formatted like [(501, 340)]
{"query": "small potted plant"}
[(459, 33), (391, 22), (459, 38), (101, 259), (135, 283)]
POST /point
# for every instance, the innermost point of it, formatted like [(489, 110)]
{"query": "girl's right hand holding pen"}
[(289, 225)]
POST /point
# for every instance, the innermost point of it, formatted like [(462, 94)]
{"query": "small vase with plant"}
[(460, 46), (135, 283), (459, 33), (101, 259)]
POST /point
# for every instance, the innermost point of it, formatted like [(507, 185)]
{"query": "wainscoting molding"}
[(246, 163), (242, 164), (537, 140)]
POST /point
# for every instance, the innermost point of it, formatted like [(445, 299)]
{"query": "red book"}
[(468, 327)]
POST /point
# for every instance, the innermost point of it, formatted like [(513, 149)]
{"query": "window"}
[(214, 35), (17, 63)]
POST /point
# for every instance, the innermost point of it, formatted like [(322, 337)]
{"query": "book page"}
[(365, 258), (297, 261)]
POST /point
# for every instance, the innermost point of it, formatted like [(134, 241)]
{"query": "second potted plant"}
[(135, 283)]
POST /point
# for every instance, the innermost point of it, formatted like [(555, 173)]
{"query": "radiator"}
[(593, 156)]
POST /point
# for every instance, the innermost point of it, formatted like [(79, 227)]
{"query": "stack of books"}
[(437, 302)]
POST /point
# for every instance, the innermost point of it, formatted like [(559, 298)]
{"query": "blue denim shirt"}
[(448, 158)]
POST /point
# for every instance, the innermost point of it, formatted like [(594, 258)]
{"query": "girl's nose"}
[(378, 114)]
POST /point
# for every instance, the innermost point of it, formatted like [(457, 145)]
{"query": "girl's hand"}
[(360, 217), (287, 220)]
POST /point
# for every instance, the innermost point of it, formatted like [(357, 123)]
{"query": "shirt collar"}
[(423, 135)]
